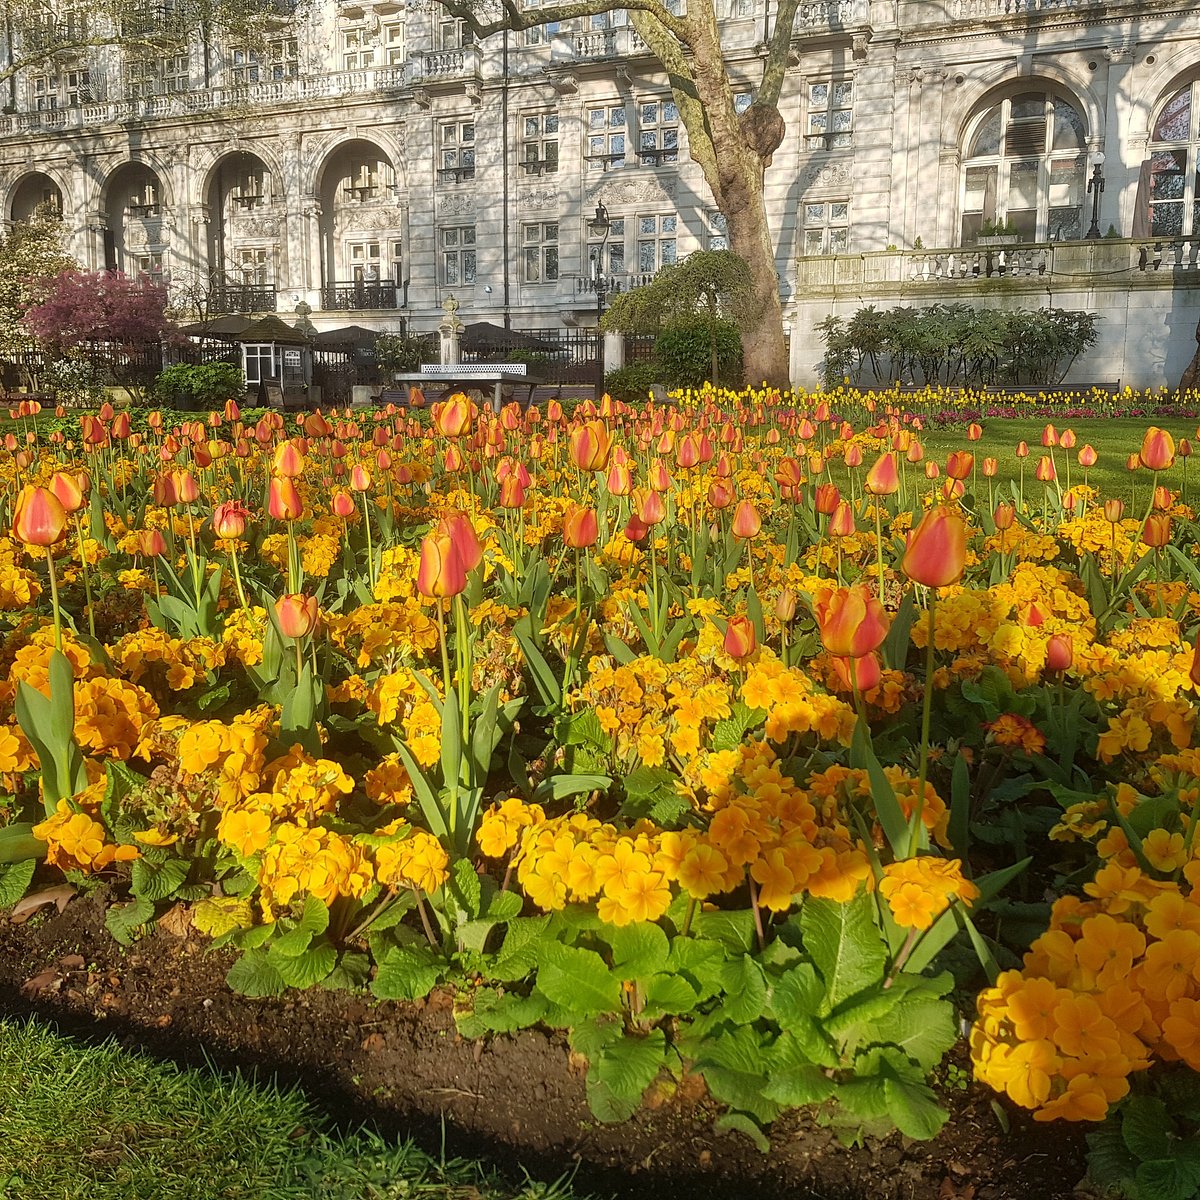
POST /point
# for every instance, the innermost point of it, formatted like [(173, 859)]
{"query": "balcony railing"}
[(1142, 262), (440, 66), (248, 298), (813, 16), (356, 297)]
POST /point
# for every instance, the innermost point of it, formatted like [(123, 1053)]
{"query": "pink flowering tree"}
[(108, 318)]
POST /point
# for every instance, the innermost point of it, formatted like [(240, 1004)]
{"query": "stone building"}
[(367, 160)]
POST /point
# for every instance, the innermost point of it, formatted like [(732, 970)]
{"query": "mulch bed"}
[(515, 1101)]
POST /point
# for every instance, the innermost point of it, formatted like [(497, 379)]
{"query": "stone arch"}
[(31, 190), (133, 203)]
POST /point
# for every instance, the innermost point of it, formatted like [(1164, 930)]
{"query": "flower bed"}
[(683, 729)]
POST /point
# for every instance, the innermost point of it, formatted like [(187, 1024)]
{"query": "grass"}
[(96, 1122)]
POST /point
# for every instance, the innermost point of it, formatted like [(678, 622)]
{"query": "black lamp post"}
[(1096, 188), (599, 226)]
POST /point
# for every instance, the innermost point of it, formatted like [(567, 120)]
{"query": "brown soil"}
[(515, 1101)]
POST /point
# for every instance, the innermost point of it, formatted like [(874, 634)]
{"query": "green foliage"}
[(395, 353), (631, 384), (688, 348), (200, 385), (955, 344)]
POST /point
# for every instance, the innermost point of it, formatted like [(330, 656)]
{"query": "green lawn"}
[(81, 1122)]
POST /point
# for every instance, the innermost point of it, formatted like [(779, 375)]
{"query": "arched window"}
[(1174, 194), (1025, 168)]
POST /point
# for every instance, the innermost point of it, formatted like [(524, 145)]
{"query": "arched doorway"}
[(362, 264), (244, 235), (133, 211), (34, 192)]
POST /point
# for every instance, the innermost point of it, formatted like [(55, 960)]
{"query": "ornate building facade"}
[(367, 159)]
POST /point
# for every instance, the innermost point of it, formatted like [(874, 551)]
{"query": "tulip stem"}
[(926, 713), (237, 575), (370, 550), (54, 600), (879, 545), (87, 581)]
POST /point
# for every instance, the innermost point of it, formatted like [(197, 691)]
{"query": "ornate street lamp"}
[(599, 226), (1095, 188)]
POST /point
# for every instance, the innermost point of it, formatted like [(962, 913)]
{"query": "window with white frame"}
[(458, 254), (258, 362), (244, 66), (538, 35), (396, 260), (283, 55), (827, 227), (254, 265), (1172, 191), (141, 78), (658, 132), (539, 143), (358, 52), (606, 137), (391, 36), (43, 91), (656, 245), (456, 145), (175, 73), (366, 179), (718, 231), (453, 34), (146, 264), (364, 261), (77, 87), (539, 246), (1025, 169), (829, 119), (613, 260), (250, 190)]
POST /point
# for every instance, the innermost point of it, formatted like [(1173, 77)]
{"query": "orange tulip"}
[(636, 530), (441, 571), (580, 527), (1060, 653), (851, 621), (827, 498), (853, 456), (1087, 456), (1045, 470), (1066, 439), (841, 520), (1004, 516), (990, 467), (959, 464), (229, 519), (1156, 533), (1114, 511), (151, 543), (452, 418), (883, 479), (1049, 437), (1162, 498), (1022, 449), (785, 606), (457, 526), (649, 506), (360, 478), (863, 673), (283, 500), (590, 445), (720, 494), (660, 477), (39, 518), (66, 487), (747, 524), (512, 492), (1158, 449), (297, 615), (1185, 448), (937, 549), (740, 638), (974, 432), (288, 460), (342, 504)]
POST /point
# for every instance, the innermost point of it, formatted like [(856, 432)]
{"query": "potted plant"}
[(998, 233)]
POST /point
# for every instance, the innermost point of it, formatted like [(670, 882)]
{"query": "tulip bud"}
[(452, 418), (590, 445), (827, 498), (785, 606), (937, 549), (1194, 673), (1114, 511), (747, 524), (283, 500), (342, 505), (1049, 437), (1066, 439), (1060, 653), (360, 478), (580, 527), (883, 479), (1185, 448), (1004, 516), (1162, 498), (151, 543), (862, 673), (441, 571), (1158, 449), (1087, 457), (636, 530), (1156, 532), (974, 432), (297, 615), (1045, 470), (39, 518), (841, 520), (740, 638), (1022, 449)]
